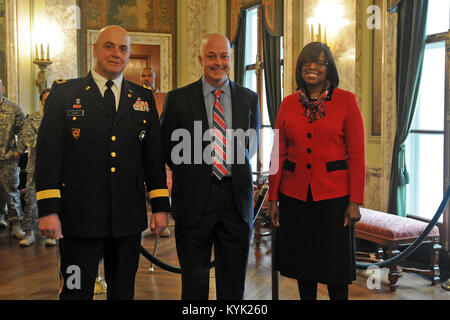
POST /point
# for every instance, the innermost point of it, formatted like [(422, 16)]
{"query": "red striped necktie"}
[(219, 141)]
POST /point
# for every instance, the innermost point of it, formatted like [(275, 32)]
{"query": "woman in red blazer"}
[(315, 194)]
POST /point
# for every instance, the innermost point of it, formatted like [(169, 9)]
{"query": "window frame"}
[(258, 67), (444, 226)]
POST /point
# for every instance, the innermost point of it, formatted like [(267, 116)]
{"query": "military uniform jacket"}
[(27, 140), (11, 123), (93, 167)]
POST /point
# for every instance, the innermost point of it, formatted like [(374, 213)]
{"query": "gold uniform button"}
[(145, 121), (113, 154), (74, 118), (113, 138), (113, 169)]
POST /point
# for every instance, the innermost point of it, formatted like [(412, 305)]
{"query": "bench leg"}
[(380, 253), (393, 270), (435, 272)]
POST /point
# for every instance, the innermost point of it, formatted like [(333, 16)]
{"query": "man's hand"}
[(50, 226), (17, 156), (274, 213), (352, 214), (159, 222)]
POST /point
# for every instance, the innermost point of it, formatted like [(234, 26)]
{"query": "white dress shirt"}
[(101, 84)]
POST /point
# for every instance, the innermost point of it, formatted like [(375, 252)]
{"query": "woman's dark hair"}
[(312, 52), (43, 92)]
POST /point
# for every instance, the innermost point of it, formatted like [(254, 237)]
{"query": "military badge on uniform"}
[(77, 104), (76, 133), (142, 135), (75, 113), (140, 105)]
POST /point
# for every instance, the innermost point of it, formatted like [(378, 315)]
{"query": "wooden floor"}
[(32, 273)]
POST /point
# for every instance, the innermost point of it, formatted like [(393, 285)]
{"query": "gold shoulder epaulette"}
[(59, 81)]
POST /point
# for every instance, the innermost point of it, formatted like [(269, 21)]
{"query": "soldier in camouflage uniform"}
[(3, 223), (27, 139), (11, 123)]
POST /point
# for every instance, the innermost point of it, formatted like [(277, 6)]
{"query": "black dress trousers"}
[(222, 226), (79, 265)]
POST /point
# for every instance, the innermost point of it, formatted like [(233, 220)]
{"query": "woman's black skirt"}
[(312, 243)]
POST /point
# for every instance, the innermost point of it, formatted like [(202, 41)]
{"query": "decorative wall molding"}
[(389, 102), (164, 40), (196, 18), (65, 47), (12, 55), (374, 172)]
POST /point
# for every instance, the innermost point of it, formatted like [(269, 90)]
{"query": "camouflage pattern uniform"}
[(27, 139), (11, 123), (3, 213)]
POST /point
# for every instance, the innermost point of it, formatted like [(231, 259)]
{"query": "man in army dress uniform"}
[(11, 122), (99, 148), (27, 140)]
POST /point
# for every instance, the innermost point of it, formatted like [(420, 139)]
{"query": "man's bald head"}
[(115, 29), (215, 58), (214, 37), (112, 50)]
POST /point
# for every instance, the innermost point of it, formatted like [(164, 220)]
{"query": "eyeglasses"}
[(317, 63)]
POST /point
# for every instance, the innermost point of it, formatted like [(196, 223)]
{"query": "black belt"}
[(217, 181)]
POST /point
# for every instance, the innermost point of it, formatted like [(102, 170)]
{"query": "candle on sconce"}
[(319, 32), (325, 35), (48, 52), (312, 32), (37, 52), (42, 52)]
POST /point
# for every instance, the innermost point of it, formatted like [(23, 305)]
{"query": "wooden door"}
[(143, 56)]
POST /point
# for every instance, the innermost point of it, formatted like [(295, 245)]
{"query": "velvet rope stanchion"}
[(411, 248), (257, 208)]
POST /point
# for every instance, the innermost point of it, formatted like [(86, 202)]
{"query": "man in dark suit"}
[(99, 147), (212, 191)]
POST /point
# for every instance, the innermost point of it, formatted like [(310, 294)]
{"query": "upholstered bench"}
[(389, 232)]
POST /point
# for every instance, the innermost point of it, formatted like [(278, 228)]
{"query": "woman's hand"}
[(352, 214), (274, 213)]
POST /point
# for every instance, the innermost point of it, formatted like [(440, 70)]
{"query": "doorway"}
[(143, 56)]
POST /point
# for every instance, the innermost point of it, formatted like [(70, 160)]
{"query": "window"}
[(425, 147), (254, 80)]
